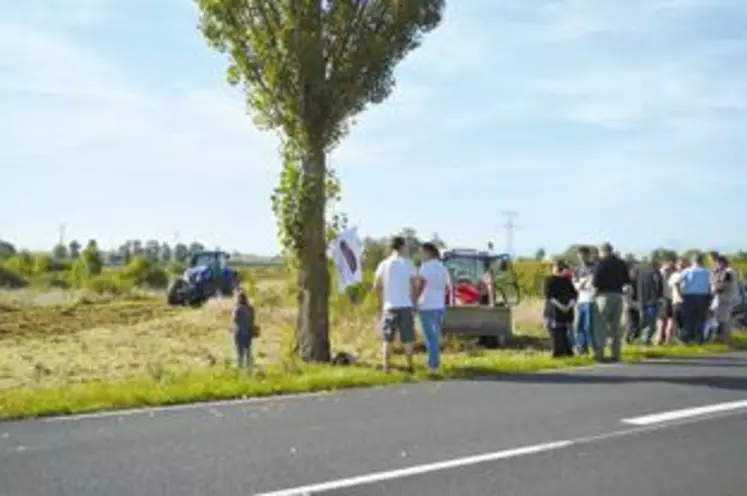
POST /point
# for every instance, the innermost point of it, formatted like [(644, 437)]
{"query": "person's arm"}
[(378, 284), (625, 276), (421, 283), (235, 318), (598, 273), (250, 317), (415, 282), (659, 285), (573, 293), (551, 294)]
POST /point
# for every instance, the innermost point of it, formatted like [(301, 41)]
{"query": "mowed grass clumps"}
[(73, 353)]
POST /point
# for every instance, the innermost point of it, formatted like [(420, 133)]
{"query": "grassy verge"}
[(226, 383)]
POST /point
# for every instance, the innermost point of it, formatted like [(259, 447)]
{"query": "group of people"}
[(584, 305), (678, 297)]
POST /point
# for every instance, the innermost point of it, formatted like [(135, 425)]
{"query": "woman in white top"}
[(674, 288)]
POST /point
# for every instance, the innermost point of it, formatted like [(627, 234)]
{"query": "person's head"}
[(668, 262), (399, 245), (560, 266), (698, 260), (606, 250), (429, 251), (241, 299), (585, 255), (721, 262), (681, 263)]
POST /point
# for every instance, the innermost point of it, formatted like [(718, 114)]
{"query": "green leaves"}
[(308, 66)]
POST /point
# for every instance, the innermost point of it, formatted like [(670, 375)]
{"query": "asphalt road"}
[(586, 432)]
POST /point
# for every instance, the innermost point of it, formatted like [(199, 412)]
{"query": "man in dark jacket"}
[(646, 294), (610, 281)]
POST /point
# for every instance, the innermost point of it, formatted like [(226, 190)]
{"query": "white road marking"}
[(419, 469), (658, 418), (311, 489)]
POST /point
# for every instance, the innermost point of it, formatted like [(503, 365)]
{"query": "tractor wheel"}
[(176, 292)]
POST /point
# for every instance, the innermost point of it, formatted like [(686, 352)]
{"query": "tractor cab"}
[(212, 259), (481, 278)]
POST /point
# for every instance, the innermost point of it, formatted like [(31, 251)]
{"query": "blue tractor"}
[(208, 275)]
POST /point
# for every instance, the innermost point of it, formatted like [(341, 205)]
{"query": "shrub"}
[(78, 275), (11, 279), (52, 280), (142, 272), (21, 263), (108, 283), (42, 264)]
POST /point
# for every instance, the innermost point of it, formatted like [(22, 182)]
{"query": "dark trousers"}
[(695, 309), (561, 340), (645, 323)]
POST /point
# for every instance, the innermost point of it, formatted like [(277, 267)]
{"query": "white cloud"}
[(63, 100)]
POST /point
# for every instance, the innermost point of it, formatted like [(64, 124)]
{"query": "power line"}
[(510, 227)]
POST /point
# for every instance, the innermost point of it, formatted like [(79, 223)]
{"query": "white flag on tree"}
[(347, 253)]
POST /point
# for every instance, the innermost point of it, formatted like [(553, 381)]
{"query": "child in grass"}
[(243, 329)]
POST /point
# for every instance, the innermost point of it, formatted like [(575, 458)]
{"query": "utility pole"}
[(510, 226)]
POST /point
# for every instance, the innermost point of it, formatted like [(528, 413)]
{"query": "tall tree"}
[(74, 249), (6, 249), (196, 247), (165, 252), (137, 248), (59, 252), (181, 252), (307, 68), (92, 257), (152, 250)]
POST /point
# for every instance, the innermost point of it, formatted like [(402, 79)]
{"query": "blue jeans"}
[(430, 321), (650, 317), (584, 331)]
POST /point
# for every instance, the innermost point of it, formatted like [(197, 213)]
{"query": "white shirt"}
[(396, 274), (437, 281), (674, 281)]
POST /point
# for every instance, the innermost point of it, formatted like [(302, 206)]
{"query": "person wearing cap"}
[(610, 280)]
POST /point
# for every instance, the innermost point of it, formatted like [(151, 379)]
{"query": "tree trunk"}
[(313, 274)]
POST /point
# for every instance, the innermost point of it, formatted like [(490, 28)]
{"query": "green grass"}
[(164, 388)]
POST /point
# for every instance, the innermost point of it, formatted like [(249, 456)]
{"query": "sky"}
[(593, 120)]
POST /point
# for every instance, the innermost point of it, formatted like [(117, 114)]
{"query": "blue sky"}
[(593, 119)]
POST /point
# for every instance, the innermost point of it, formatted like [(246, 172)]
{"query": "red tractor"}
[(485, 289)]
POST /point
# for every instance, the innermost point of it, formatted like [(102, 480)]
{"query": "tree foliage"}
[(307, 67), (7, 249)]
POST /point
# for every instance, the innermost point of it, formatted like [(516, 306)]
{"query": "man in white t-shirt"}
[(434, 284), (395, 282)]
